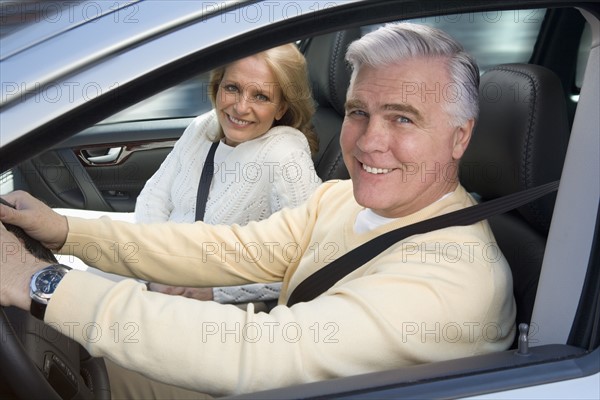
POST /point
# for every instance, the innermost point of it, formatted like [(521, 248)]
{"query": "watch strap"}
[(37, 309)]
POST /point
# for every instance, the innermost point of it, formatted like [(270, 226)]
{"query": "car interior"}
[(520, 141)]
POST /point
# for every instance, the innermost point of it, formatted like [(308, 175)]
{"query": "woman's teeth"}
[(238, 121)]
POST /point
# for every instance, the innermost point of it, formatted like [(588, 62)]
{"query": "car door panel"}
[(103, 168)]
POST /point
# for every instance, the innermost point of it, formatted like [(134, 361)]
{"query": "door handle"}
[(111, 156)]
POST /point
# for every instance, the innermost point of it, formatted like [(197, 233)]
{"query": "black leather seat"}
[(329, 75), (519, 142)]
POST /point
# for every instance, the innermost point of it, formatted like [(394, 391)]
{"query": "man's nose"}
[(374, 138)]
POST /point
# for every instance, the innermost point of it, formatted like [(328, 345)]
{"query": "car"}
[(94, 95)]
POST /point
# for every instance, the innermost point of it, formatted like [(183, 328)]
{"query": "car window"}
[(492, 37), (188, 99)]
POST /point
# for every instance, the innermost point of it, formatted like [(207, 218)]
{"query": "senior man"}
[(410, 111)]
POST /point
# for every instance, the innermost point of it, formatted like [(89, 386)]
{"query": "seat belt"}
[(327, 276), (205, 179)]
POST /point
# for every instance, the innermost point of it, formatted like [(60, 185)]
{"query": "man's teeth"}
[(372, 170), (238, 121)]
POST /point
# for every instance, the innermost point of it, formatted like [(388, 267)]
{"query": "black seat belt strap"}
[(327, 276), (205, 180)]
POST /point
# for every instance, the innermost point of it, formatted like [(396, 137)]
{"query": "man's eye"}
[(356, 113), (404, 120)]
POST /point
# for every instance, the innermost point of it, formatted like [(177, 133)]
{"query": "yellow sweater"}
[(437, 296)]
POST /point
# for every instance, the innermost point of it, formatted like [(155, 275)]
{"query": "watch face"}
[(44, 282), (47, 280)]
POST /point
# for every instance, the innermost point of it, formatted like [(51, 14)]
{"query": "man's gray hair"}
[(397, 42)]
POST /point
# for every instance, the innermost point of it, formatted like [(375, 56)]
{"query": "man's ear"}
[(462, 136)]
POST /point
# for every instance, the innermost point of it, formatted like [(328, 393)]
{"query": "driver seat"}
[(519, 142)]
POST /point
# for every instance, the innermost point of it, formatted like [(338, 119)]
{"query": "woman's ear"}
[(283, 107)]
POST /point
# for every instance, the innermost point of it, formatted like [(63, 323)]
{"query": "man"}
[(410, 111)]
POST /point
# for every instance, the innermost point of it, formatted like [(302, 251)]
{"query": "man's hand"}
[(37, 219), (17, 266), (192, 293)]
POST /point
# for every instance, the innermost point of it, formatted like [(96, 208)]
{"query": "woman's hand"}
[(37, 219)]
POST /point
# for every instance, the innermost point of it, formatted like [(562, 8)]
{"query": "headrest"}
[(520, 138), (328, 71)]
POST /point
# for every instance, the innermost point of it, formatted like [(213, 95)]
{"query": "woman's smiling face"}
[(249, 100)]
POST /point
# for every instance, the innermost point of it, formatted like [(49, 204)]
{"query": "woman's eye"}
[(261, 97), (230, 88)]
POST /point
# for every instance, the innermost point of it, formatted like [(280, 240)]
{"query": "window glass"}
[(492, 37), (188, 99)]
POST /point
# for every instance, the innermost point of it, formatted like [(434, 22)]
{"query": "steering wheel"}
[(24, 378)]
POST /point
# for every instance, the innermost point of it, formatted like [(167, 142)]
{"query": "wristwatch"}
[(42, 287)]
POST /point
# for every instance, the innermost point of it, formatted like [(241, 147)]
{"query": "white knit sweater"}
[(251, 181)]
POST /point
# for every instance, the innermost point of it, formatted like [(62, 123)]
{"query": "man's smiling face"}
[(398, 142)]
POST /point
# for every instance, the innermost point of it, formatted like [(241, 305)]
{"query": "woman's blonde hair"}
[(289, 67)]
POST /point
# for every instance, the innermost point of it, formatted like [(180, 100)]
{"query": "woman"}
[(261, 125)]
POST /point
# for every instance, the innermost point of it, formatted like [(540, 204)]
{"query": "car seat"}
[(329, 76), (520, 141)]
